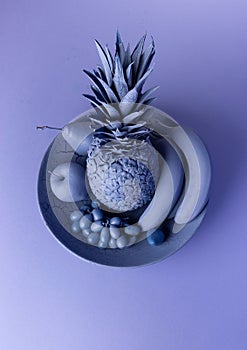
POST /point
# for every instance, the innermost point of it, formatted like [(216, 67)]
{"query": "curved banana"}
[(189, 228), (171, 157), (194, 158), (205, 175)]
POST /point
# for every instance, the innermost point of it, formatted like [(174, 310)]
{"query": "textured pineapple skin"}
[(122, 174)]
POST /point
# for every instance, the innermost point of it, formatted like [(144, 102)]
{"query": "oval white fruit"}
[(86, 221), (105, 235), (93, 238), (132, 230), (122, 242), (112, 243), (115, 232)]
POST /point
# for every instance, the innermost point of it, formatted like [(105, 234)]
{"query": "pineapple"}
[(122, 166)]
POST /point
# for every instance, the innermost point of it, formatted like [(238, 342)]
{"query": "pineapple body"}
[(122, 174)]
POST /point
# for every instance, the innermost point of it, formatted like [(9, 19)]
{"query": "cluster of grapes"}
[(100, 230)]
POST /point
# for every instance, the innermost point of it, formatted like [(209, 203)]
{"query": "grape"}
[(105, 235), (122, 242), (115, 232), (116, 221), (86, 221), (102, 244), (97, 214), (96, 226), (112, 243), (75, 215), (156, 238), (86, 232), (132, 230), (75, 227), (93, 238)]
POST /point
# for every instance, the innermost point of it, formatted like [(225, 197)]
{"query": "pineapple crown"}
[(121, 78)]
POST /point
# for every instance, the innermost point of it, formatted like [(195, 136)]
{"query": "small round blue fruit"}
[(116, 221), (97, 214), (156, 238)]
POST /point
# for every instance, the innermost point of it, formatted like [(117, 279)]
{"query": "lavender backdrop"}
[(50, 299)]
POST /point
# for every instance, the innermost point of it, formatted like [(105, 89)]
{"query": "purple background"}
[(50, 299)]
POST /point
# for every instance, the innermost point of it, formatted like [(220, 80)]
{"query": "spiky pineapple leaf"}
[(131, 118), (136, 55), (118, 37), (120, 51), (103, 87), (149, 101), (96, 121), (93, 99), (119, 79), (99, 106), (96, 73), (145, 60), (131, 96), (109, 57), (105, 62), (110, 93), (147, 93), (127, 58), (96, 79), (129, 74), (125, 108), (141, 82), (102, 73), (113, 112), (135, 126), (98, 94)]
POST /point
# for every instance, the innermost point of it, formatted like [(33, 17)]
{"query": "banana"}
[(189, 228), (205, 176), (195, 160)]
